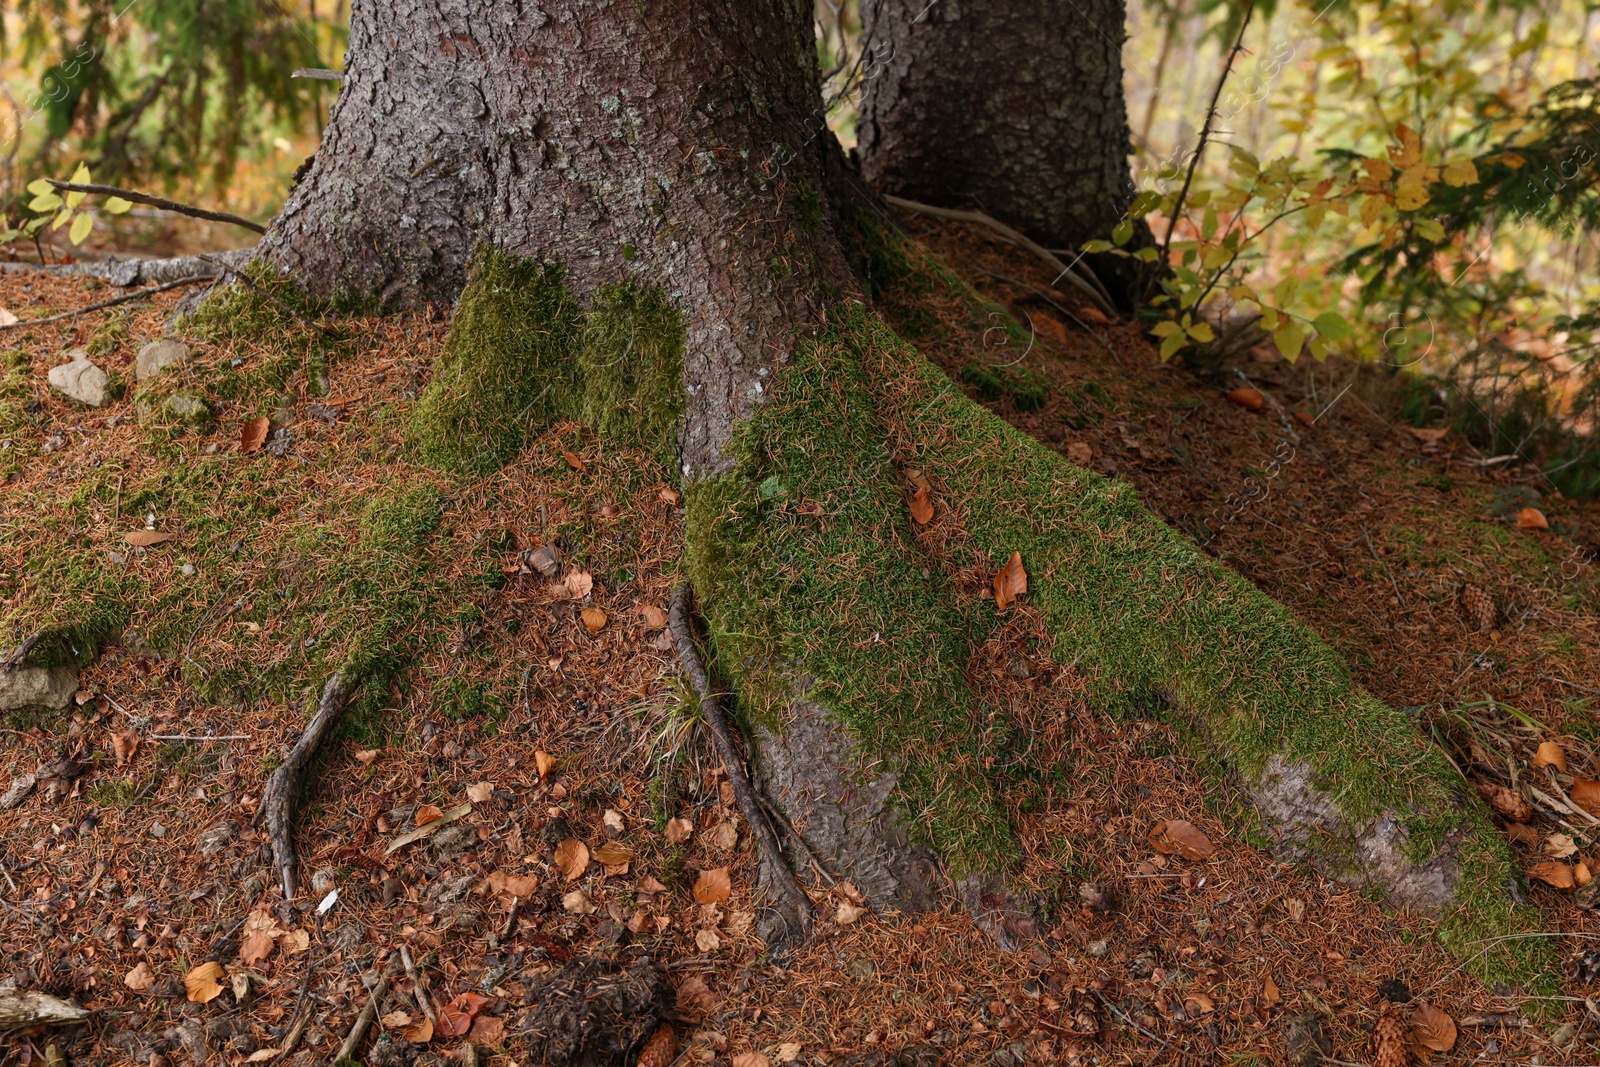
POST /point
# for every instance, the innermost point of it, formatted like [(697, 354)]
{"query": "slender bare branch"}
[(159, 202)]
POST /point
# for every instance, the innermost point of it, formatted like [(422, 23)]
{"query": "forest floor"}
[(133, 863)]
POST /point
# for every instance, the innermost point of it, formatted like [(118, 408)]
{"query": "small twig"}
[(1097, 295), (199, 737), (20, 653), (424, 1001), (358, 1029), (251, 284), (1574, 685), (794, 835), (1119, 1012), (711, 711), (282, 791), (125, 298), (161, 202), (427, 829), (321, 74)]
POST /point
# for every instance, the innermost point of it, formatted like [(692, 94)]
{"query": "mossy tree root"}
[(284, 786)]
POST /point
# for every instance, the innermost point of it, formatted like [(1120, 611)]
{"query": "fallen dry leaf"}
[(1532, 519), (1248, 398), (1523, 834), (921, 506), (574, 460), (262, 1055), (513, 885), (1507, 804), (261, 931), (124, 744), (1428, 436), (572, 858), (253, 434), (1550, 754), (421, 1033), (613, 854), (1270, 992), (662, 1048), (579, 584), (848, 913), (670, 495), (724, 835), (613, 820), (204, 983), (1559, 875), (679, 831), (395, 1020), (455, 1018), (713, 886), (367, 755), (1183, 838), (1094, 314), (1081, 453), (295, 942), (1560, 846), (751, 1059), (427, 813), (488, 1030), (695, 998), (654, 617), (594, 620), (145, 538), (1049, 327), (480, 792), (1198, 1003), (1010, 583), (707, 940), (1581, 874), (139, 979), (1585, 793), (1433, 1028), (545, 762)]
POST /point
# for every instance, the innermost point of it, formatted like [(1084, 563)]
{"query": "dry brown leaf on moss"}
[(713, 886), (204, 983), (1559, 875), (921, 506), (1585, 793), (253, 434), (572, 858), (574, 460), (145, 538), (1433, 1028), (594, 620), (1532, 519), (1010, 583), (1550, 754), (1183, 838)]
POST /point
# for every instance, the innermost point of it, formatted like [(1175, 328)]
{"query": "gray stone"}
[(156, 356), (450, 890), (322, 881), (81, 380), (184, 408), (219, 837), (37, 687), (157, 830), (453, 842)]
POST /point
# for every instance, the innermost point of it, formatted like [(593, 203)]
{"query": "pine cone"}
[(1389, 1040), (1085, 1014), (1479, 607)]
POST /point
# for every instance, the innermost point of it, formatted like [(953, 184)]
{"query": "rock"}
[(466, 920), (450, 890), (182, 407), (322, 881), (453, 842), (156, 356), (21, 786), (80, 380), (43, 687), (157, 831), (219, 837), (193, 1039)]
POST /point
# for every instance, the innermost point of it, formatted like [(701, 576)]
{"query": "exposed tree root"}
[(128, 272), (283, 788), (793, 915)]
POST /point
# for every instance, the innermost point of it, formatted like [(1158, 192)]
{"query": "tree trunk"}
[(631, 201), (1012, 107)]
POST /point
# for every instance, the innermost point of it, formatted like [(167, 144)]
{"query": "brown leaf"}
[(1182, 837), (713, 886), (679, 831), (572, 858), (613, 854), (1585, 793), (649, 884), (662, 1048), (751, 1059), (1552, 873), (1046, 326), (574, 460), (1094, 314), (654, 617), (1509, 805), (594, 620), (421, 1033), (545, 762), (1550, 754), (579, 584), (253, 434), (455, 1018), (707, 940), (395, 1020), (1560, 846), (1523, 834), (848, 913), (670, 495), (124, 744), (1581, 875), (1248, 398), (1197, 1003), (204, 983), (480, 792), (139, 979), (921, 506), (513, 885), (1532, 519), (1080, 453), (427, 813), (695, 998), (145, 538), (1270, 992), (260, 937), (488, 1030), (1010, 583), (578, 902), (1433, 1028)]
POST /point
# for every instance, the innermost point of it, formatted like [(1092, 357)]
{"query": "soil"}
[(134, 862)]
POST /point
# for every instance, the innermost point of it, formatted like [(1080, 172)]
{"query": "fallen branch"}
[(283, 788), (18, 1010), (1095, 292), (125, 298), (124, 273), (420, 990), (711, 710), (359, 1028), (428, 828), (159, 201)]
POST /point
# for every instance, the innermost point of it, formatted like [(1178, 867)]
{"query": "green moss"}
[(1025, 388), (632, 365)]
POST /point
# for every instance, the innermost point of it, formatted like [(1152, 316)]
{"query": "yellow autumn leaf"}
[(1460, 172), (80, 228), (1409, 152), (1371, 208), (1378, 169)]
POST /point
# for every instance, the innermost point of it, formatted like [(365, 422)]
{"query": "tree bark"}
[(1013, 107)]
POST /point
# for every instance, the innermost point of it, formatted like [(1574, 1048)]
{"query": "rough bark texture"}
[(1012, 107), (675, 144)]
